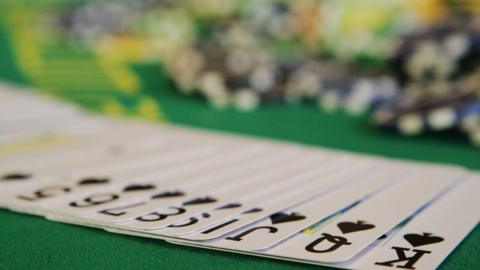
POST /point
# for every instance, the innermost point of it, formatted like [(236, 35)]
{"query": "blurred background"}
[(367, 75)]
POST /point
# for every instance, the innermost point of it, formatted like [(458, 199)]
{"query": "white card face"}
[(280, 185), (114, 159), (112, 134), (351, 232), (280, 226), (61, 186), (20, 152), (426, 240), (72, 130), (39, 156), (90, 156), (35, 124), (247, 203), (112, 168), (218, 186), (422, 244), (316, 186), (227, 192), (167, 180), (88, 126), (15, 120), (232, 194)]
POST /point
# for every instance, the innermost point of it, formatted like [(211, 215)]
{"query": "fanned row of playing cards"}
[(239, 194)]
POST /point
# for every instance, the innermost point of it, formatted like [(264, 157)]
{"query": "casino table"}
[(30, 242)]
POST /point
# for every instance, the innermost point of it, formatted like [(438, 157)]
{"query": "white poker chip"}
[(245, 100), (440, 119), (410, 124)]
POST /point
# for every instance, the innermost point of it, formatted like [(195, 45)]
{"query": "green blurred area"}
[(76, 75)]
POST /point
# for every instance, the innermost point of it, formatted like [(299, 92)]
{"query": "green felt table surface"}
[(29, 242)]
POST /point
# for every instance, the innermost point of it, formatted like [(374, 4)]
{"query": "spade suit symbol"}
[(200, 201), (349, 227), (15, 176), (278, 218), (417, 240), (138, 187), (384, 236), (93, 181), (253, 210), (229, 206), (168, 194)]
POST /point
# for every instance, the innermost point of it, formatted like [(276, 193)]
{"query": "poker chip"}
[(470, 118), (440, 119), (410, 124), (212, 85), (245, 100), (329, 101), (474, 136)]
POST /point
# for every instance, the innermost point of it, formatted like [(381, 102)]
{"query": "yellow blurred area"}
[(36, 143)]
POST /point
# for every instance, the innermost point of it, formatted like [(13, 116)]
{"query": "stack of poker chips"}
[(248, 76), (439, 72), (271, 52), (240, 53)]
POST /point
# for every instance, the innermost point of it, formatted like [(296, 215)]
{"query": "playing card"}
[(246, 205), (22, 196), (32, 171), (112, 133), (281, 225), (166, 180), (233, 195), (250, 201), (429, 237), (88, 125), (309, 188), (354, 230), (227, 192), (138, 150), (220, 183), (164, 163), (423, 243)]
